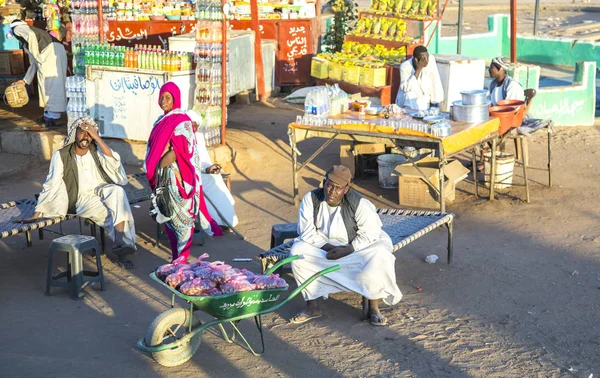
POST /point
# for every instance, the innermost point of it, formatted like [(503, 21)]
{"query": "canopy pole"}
[(513, 31), (100, 22), (460, 27), (535, 16), (258, 61)]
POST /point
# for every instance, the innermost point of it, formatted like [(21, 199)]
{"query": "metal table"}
[(463, 137)]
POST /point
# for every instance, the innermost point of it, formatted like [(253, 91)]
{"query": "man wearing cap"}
[(503, 87), (337, 226), (420, 83), (86, 178)]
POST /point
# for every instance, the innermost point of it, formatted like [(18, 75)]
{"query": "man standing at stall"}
[(47, 58), (86, 178), (337, 226), (420, 83)]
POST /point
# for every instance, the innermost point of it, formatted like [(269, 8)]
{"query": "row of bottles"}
[(87, 24), (209, 10), (88, 6), (210, 73), (212, 52), (146, 57), (209, 94), (212, 135), (210, 32), (75, 86)]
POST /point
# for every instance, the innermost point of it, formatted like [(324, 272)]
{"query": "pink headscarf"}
[(162, 134), (173, 89)]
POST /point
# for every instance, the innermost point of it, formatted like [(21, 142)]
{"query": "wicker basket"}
[(16, 96)]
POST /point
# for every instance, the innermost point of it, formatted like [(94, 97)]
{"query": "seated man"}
[(213, 185), (503, 87), (86, 179), (420, 83), (337, 226)]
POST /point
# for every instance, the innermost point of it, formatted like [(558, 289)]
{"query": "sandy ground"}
[(520, 300)]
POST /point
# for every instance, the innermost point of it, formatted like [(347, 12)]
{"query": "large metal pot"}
[(470, 113), (475, 97)]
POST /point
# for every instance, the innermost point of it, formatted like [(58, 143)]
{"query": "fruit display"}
[(374, 52), (387, 29), (415, 9)]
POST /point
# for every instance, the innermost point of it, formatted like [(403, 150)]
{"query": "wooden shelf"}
[(401, 16), (387, 44)]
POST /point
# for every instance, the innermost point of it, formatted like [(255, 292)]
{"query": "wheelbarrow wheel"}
[(167, 328)]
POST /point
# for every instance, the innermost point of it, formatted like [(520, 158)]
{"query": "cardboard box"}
[(12, 62), (415, 191), (335, 71), (373, 77), (351, 74), (349, 151), (319, 68)]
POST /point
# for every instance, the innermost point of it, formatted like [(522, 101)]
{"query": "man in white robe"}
[(86, 178), (420, 82), (337, 226), (47, 58), (213, 186)]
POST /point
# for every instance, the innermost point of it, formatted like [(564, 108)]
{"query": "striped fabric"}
[(138, 190)]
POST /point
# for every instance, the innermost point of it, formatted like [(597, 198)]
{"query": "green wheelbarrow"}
[(174, 336)]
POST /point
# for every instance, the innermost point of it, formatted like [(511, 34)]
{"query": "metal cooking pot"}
[(475, 97), (470, 113)]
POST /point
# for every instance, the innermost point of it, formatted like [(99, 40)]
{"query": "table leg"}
[(493, 169), (525, 160), (294, 171), (549, 157), (442, 191), (474, 161)]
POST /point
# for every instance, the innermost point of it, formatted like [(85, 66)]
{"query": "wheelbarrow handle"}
[(281, 263)]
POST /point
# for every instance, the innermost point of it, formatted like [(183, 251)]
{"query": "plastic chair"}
[(74, 246)]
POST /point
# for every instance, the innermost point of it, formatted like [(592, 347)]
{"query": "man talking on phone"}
[(420, 83)]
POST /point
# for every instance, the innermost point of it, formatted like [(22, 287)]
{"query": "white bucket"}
[(386, 165), (505, 164)]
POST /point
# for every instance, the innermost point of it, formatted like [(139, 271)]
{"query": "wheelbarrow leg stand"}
[(236, 330)]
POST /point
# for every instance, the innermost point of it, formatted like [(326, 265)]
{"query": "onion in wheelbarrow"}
[(269, 282), (176, 279), (197, 286), (237, 285)]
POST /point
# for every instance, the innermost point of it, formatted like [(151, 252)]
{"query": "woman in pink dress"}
[(172, 146)]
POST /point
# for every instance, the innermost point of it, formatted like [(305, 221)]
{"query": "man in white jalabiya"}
[(213, 186), (47, 58), (337, 226), (420, 82), (86, 178)]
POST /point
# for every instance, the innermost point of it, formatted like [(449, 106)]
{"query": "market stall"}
[(401, 131), (383, 37), (125, 76)]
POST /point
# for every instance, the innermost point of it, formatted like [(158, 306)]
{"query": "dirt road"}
[(520, 300)]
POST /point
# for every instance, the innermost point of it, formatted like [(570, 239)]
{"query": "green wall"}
[(543, 50)]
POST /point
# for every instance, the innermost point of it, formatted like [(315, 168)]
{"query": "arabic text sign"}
[(146, 32), (295, 51), (135, 84), (249, 301)]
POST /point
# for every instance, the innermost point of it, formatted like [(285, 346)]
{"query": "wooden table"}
[(463, 137)]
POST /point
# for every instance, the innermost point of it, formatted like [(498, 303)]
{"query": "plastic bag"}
[(164, 270), (237, 284), (176, 279), (269, 282), (200, 261), (197, 286)]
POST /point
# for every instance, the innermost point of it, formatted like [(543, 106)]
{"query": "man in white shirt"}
[(337, 226), (86, 178), (503, 87), (420, 82)]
